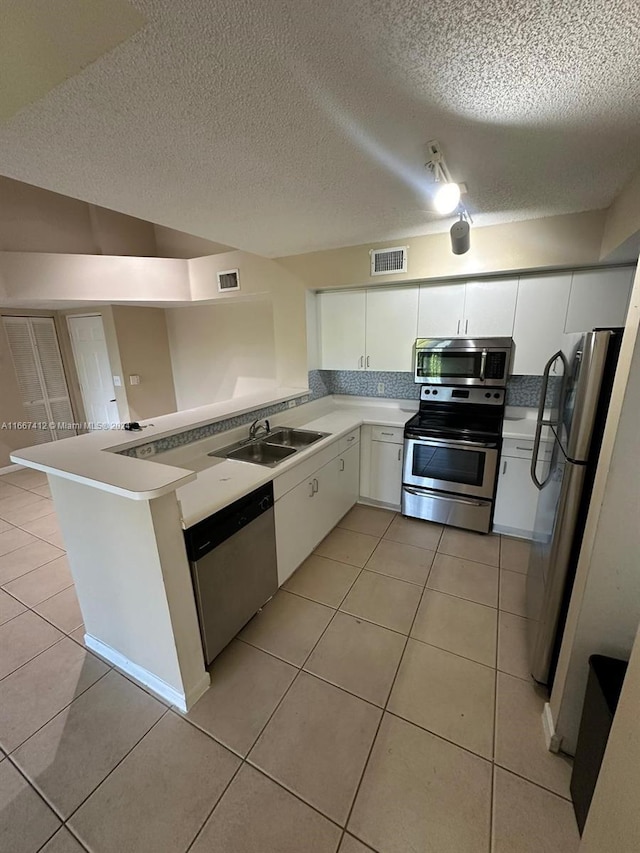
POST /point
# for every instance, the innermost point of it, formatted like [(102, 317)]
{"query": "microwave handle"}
[(483, 364)]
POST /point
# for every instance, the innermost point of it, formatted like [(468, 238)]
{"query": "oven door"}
[(458, 466)]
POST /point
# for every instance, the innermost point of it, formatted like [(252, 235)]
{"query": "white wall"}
[(221, 351), (604, 611)]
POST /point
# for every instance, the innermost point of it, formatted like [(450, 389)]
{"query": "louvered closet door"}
[(40, 373)]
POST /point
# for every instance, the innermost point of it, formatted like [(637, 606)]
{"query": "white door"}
[(392, 327), (94, 370), (599, 298), (441, 309), (540, 317), (490, 308), (41, 379), (342, 330)]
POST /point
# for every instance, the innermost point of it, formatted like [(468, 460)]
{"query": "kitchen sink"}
[(261, 453), (270, 449), (289, 437)]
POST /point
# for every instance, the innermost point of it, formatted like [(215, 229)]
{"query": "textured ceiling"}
[(284, 126)]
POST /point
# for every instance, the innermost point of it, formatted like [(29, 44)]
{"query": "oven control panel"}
[(445, 394)]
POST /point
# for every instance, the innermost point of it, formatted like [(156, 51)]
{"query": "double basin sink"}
[(272, 448)]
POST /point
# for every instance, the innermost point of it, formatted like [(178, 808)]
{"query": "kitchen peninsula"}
[(123, 516)]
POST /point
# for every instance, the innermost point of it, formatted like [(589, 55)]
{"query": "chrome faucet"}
[(258, 425)]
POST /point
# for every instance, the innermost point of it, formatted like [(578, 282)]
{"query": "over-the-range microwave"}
[(483, 362)]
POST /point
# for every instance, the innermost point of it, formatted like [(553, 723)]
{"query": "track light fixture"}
[(446, 198)]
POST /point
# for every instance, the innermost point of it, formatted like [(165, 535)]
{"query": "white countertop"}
[(228, 480), (93, 459)]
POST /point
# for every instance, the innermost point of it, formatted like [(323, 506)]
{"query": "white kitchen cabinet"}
[(391, 328), (599, 298), (489, 308), (308, 511), (341, 315), (517, 496), (368, 330), (479, 309), (541, 313), (440, 310), (381, 464)]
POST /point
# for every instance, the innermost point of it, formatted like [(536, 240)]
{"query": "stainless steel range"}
[(451, 452)]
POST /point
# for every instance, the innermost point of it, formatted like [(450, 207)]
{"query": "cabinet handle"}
[(315, 486), (504, 467), (368, 360), (466, 326), (342, 464), (313, 491), (351, 438), (387, 433), (523, 448), (458, 329), (360, 362), (399, 454)]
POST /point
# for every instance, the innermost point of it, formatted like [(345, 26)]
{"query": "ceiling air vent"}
[(228, 280), (388, 261)]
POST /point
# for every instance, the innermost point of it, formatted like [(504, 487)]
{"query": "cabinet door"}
[(342, 329), (489, 308), (386, 472), (440, 310), (392, 326), (347, 481), (541, 311), (296, 528), (516, 498), (599, 298)]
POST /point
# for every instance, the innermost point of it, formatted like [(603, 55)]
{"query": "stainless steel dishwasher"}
[(233, 565)]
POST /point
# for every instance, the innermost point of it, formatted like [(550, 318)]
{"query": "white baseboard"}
[(513, 531), (378, 504), (552, 739), (182, 701), (8, 469)]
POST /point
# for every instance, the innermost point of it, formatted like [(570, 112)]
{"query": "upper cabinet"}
[(478, 309), (375, 328), (489, 308), (540, 318), (599, 298), (368, 330), (441, 310), (341, 314), (392, 328)]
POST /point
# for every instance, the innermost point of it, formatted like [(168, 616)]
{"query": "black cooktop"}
[(454, 421)]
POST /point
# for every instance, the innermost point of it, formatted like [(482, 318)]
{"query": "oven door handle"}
[(454, 442), (430, 495)]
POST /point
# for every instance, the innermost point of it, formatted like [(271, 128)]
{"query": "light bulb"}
[(447, 198)]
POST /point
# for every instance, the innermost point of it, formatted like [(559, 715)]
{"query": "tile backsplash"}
[(521, 390)]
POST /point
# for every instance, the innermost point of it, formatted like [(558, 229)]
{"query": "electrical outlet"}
[(380, 387), (145, 451), (292, 404), (117, 381)]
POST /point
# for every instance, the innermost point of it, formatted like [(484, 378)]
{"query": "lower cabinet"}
[(517, 496), (306, 513), (382, 458)]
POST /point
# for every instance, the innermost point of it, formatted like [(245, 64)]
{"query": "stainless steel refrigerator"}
[(573, 406)]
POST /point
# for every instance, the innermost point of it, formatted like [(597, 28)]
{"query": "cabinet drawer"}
[(291, 478), (349, 440), (522, 448), (384, 433)]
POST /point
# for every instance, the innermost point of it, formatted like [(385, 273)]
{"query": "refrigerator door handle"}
[(540, 421)]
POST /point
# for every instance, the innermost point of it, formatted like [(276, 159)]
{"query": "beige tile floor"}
[(379, 702)]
